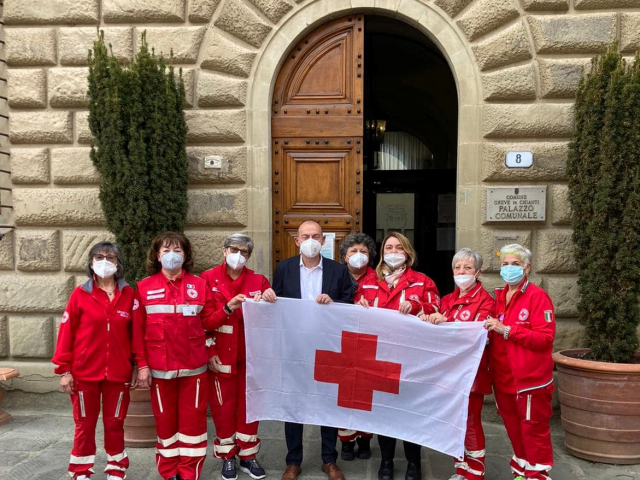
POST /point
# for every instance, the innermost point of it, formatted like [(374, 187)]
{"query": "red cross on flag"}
[(359, 368)]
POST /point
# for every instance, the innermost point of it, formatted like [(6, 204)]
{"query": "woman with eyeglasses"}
[(231, 284), (94, 358)]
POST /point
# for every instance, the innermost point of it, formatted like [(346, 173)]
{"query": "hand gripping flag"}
[(367, 369)]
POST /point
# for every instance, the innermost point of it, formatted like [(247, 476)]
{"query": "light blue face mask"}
[(171, 260), (512, 274)]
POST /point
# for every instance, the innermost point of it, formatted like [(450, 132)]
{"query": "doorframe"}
[(433, 23)]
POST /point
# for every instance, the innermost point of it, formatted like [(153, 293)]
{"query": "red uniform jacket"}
[(530, 315), (169, 322), (412, 286), (94, 341), (475, 306), (227, 337)]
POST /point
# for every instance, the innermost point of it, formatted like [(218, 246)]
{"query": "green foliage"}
[(136, 117), (604, 191)]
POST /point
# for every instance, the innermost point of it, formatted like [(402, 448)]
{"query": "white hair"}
[(465, 254), (519, 251)]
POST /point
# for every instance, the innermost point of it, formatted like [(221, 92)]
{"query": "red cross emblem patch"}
[(524, 314), (465, 315)]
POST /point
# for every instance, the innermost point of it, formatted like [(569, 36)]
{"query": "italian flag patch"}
[(548, 315)]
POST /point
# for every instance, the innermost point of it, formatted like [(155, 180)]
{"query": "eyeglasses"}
[(111, 258), (244, 252)]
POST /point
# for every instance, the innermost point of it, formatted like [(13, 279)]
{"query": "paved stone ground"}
[(36, 446)]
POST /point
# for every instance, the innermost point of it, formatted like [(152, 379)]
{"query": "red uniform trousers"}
[(228, 402), (526, 417), (86, 408), (180, 409), (472, 467)]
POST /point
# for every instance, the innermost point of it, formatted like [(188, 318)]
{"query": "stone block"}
[(30, 46), (534, 120), (7, 251), (74, 44), (560, 78), (40, 127), (508, 46), (494, 239), (630, 31), (239, 20), (549, 162), (76, 245), (143, 11), (218, 126), (219, 91), (4, 337), (593, 4), (201, 11), (560, 206), (452, 7), (569, 334), (29, 165), (222, 55), (564, 293), (207, 248), (553, 5), (73, 166), (554, 252), (587, 33), (38, 250), (486, 15), (31, 337), (189, 78), (27, 88), (217, 208), (35, 293), (57, 206), (233, 169), (68, 87), (517, 83), (184, 42), (274, 10), (35, 12), (83, 133)]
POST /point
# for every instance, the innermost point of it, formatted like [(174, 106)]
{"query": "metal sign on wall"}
[(516, 204)]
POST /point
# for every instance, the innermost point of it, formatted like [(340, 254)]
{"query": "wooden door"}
[(317, 129)]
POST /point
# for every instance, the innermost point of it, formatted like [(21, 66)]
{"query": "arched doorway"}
[(364, 138)]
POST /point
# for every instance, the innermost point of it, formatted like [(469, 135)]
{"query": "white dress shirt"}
[(310, 281)]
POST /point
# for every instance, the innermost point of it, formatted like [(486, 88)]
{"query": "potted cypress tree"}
[(599, 387), (137, 120)]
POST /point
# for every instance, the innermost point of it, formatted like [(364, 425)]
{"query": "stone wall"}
[(522, 58)]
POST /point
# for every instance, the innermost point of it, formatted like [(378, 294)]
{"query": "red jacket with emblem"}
[(170, 323), (94, 341), (227, 337), (412, 286), (475, 306), (530, 315)]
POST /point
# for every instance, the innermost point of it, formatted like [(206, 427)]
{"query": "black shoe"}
[(364, 448), (347, 453), (414, 471), (386, 470)]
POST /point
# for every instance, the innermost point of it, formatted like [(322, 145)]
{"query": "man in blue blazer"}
[(310, 276)]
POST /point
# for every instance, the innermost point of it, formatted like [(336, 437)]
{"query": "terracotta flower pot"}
[(600, 405), (139, 425)]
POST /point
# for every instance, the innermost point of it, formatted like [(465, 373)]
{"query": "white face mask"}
[(358, 260), (235, 260), (171, 260), (310, 248), (104, 268), (464, 281), (394, 260)]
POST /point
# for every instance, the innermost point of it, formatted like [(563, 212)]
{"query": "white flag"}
[(368, 369)]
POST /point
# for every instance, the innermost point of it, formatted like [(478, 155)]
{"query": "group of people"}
[(182, 336)]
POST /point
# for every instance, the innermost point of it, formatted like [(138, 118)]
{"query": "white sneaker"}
[(81, 477), (457, 477), (114, 477)]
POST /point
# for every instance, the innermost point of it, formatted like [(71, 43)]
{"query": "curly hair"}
[(167, 239), (358, 239)]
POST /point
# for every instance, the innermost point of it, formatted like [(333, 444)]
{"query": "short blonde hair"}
[(519, 251), (412, 257)]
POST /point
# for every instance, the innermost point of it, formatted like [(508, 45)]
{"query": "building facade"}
[(515, 65)]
